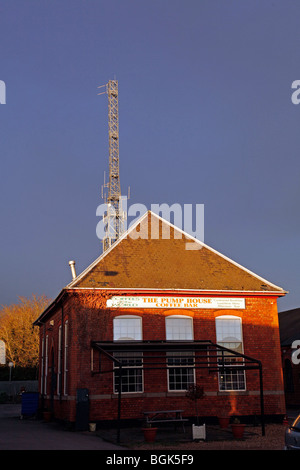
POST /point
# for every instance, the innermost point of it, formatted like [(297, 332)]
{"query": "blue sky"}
[(206, 117)]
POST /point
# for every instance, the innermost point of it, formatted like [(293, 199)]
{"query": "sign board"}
[(175, 302)]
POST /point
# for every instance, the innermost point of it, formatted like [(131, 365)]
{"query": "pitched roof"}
[(145, 257)]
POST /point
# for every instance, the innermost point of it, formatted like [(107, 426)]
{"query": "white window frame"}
[(133, 332), (66, 357), (42, 365), (227, 378), (59, 360), (133, 373), (138, 331), (171, 331), (180, 364), (46, 366)]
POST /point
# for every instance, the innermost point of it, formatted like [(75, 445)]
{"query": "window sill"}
[(128, 394)]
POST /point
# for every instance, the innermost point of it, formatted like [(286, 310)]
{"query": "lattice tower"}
[(115, 217)]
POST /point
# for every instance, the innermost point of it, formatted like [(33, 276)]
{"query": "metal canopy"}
[(205, 355)]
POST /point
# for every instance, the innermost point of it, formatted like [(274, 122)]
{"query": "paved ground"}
[(33, 434), (168, 438)]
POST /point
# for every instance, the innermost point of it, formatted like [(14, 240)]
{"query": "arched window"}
[(180, 364), (46, 366), (127, 328), (229, 335), (66, 357), (179, 327), (42, 365), (229, 332), (59, 354)]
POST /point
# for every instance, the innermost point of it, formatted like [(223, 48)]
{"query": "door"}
[(82, 409)]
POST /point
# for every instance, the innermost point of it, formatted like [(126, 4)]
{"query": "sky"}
[(205, 117)]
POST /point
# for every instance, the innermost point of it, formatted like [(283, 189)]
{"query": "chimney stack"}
[(73, 271)]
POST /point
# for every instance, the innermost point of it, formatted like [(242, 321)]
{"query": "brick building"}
[(153, 315), (289, 327)]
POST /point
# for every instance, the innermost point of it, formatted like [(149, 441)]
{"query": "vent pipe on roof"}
[(73, 270)]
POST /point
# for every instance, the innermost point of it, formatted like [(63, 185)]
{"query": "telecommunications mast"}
[(114, 219)]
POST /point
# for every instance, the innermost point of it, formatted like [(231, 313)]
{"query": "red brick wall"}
[(89, 320)]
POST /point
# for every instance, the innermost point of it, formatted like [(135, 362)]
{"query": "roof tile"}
[(155, 262)]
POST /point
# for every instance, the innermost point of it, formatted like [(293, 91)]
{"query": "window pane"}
[(129, 359), (132, 381), (132, 374), (228, 330), (232, 380), (180, 358), (127, 329), (179, 329), (180, 377), (229, 335)]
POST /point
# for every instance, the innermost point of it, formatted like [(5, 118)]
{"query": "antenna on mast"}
[(114, 219)]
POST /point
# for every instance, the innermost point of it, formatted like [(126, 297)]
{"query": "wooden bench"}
[(165, 416)]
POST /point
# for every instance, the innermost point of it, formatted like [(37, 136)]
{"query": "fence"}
[(11, 390)]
